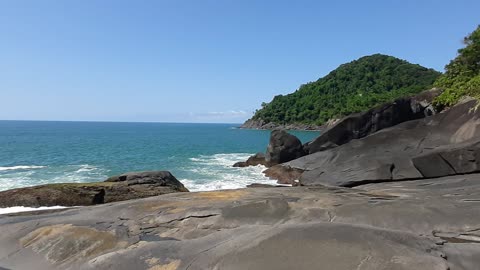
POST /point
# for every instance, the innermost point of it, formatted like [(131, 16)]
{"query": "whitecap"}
[(85, 168), (216, 172), (21, 167), (53, 174)]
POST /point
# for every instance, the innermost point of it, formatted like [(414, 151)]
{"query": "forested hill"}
[(352, 87)]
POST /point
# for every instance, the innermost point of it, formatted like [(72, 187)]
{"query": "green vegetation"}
[(462, 74), (352, 87)]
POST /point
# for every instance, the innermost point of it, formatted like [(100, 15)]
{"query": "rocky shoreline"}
[(260, 124), (396, 187), (128, 186)]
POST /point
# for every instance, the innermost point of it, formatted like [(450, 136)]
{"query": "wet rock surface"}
[(422, 224), (127, 186)]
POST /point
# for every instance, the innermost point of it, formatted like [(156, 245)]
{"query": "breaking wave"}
[(21, 167), (215, 172), (24, 176)]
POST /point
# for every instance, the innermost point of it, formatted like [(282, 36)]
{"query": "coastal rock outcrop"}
[(406, 151), (283, 147), (359, 125), (255, 160), (375, 226), (127, 186)]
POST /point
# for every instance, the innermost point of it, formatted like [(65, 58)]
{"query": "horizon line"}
[(113, 121)]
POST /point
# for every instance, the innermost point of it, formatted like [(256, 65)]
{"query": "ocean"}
[(199, 155)]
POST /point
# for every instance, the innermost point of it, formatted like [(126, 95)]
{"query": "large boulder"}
[(359, 125), (283, 147), (123, 187), (439, 145)]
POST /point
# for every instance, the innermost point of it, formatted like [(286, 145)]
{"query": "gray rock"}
[(396, 153), (359, 125), (283, 147), (117, 188), (255, 160), (284, 174), (452, 159), (425, 224)]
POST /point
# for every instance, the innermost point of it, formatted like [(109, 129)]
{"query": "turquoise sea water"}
[(199, 155)]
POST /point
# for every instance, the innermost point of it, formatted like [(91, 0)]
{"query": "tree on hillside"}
[(352, 87), (462, 74)]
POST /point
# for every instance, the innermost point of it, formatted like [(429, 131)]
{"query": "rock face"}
[(453, 159), (285, 175), (255, 160), (375, 226), (359, 125), (283, 147), (439, 145), (118, 188)]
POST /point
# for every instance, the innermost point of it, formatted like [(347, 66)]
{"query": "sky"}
[(201, 60)]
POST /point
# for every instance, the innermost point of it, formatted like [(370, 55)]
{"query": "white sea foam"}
[(21, 167), (39, 175), (85, 168), (215, 172), (17, 209), (201, 173)]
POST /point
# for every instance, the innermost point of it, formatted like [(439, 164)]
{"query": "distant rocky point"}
[(261, 124), (352, 87)]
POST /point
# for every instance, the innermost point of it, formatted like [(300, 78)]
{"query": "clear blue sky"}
[(201, 61)]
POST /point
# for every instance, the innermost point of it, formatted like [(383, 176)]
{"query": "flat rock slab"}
[(430, 224)]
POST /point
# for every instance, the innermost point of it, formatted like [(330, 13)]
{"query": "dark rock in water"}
[(405, 151), (255, 160), (426, 224), (359, 125), (154, 178), (240, 164), (117, 188), (283, 147)]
